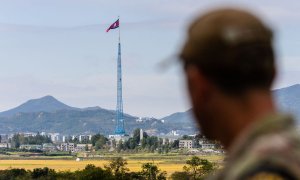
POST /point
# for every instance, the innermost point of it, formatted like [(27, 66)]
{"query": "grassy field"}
[(169, 163)]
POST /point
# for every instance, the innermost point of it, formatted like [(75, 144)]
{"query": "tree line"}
[(115, 170), (19, 139), (195, 168), (135, 143)]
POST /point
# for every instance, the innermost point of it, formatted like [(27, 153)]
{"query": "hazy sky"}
[(60, 48)]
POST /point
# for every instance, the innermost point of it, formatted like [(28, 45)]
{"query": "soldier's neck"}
[(243, 112)]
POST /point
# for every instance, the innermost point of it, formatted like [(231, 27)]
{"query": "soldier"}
[(229, 66)]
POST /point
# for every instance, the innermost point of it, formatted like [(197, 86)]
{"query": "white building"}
[(174, 133), (4, 138), (83, 147), (67, 147), (28, 134), (139, 119), (118, 138), (74, 136), (64, 146), (5, 145), (54, 137), (71, 147), (207, 146), (64, 138), (49, 147), (31, 147), (189, 144), (84, 138)]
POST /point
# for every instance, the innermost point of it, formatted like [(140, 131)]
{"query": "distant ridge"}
[(47, 114), (180, 117), (182, 121), (288, 99), (50, 115), (43, 104)]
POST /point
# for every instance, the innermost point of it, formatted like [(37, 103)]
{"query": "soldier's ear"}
[(198, 85)]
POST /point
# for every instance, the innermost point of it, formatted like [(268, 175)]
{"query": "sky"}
[(60, 48)]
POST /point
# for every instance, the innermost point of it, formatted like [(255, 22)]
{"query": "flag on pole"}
[(113, 26)]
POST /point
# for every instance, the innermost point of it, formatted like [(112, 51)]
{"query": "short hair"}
[(233, 49)]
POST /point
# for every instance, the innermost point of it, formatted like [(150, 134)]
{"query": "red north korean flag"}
[(113, 26)]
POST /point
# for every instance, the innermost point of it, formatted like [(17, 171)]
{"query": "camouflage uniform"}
[(270, 149)]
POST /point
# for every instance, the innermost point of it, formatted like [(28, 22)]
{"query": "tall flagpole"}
[(120, 130)]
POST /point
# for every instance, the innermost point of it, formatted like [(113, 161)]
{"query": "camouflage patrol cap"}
[(231, 47)]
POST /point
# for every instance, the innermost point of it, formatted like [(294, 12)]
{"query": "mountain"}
[(179, 117), (44, 104), (78, 121), (62, 121), (50, 115), (183, 121), (288, 100)]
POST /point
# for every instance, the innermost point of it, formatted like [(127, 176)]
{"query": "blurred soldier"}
[(229, 66)]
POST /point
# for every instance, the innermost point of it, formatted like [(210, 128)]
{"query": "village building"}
[(189, 144)]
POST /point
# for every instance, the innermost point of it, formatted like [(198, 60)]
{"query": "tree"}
[(151, 172), (199, 137), (15, 174), (130, 143), (198, 168), (19, 139), (186, 137), (91, 172), (75, 140), (38, 139), (180, 176), (175, 144), (15, 141), (160, 151), (144, 142), (43, 173), (113, 143), (120, 146), (117, 166), (162, 175), (136, 135), (85, 141), (98, 141), (95, 138)]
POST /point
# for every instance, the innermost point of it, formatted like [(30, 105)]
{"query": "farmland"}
[(169, 163)]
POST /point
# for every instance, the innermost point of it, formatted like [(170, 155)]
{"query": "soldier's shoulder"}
[(271, 142), (268, 157), (268, 171)]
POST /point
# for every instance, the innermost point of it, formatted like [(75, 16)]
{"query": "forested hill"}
[(44, 104), (50, 115)]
